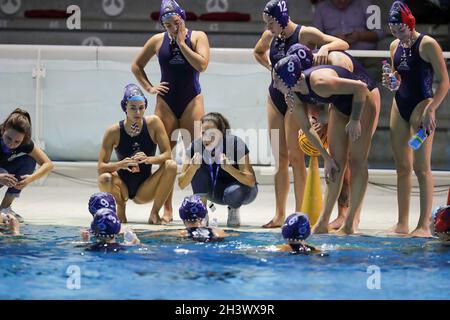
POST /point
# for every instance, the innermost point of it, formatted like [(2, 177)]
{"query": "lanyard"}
[(218, 151), (211, 172)]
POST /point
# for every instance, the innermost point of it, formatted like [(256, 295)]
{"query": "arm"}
[(313, 38), (244, 174), (137, 67), (300, 114), (158, 134), (45, 167), (109, 141), (385, 77), (327, 85), (432, 53), (188, 171), (199, 57), (261, 49)]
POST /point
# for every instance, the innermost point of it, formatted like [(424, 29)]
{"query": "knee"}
[(170, 166), (296, 158), (105, 179), (234, 197), (404, 169), (422, 172)]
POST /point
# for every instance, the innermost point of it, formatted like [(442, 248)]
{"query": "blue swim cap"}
[(278, 10), (132, 93), (170, 8), (193, 209), (288, 70), (100, 200), (304, 54), (296, 227), (105, 224)]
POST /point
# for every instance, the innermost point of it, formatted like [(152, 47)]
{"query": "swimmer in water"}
[(440, 223), (295, 231), (193, 211), (11, 222), (105, 227)]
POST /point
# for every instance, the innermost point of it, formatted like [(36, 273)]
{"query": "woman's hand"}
[(84, 235), (353, 129), (181, 32), (140, 157), (25, 180), (330, 169), (127, 164), (321, 57), (8, 179), (429, 121), (160, 89), (386, 81), (225, 163), (196, 161)]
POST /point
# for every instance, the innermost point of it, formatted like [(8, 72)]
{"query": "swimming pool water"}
[(38, 265)]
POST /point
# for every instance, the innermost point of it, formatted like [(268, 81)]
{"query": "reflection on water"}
[(249, 266)]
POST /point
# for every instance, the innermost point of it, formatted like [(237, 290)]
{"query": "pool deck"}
[(62, 200)]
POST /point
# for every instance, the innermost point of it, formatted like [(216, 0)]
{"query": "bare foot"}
[(154, 219), (399, 228), (337, 223), (167, 216), (421, 233), (345, 231), (320, 228), (276, 222)]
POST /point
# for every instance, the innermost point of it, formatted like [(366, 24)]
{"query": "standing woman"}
[(18, 158), (280, 35), (352, 122), (416, 59), (182, 55)]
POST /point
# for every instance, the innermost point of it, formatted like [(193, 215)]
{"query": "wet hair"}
[(20, 121), (219, 120)]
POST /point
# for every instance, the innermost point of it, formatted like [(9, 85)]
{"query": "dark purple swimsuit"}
[(183, 79), (417, 82), (278, 50), (129, 146), (343, 102)]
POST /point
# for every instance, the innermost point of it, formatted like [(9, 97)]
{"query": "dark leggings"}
[(233, 194), (19, 166)]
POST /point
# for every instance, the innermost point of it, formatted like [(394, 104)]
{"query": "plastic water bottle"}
[(214, 223), (129, 236), (416, 141), (393, 84)]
